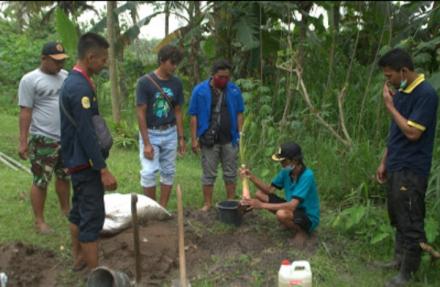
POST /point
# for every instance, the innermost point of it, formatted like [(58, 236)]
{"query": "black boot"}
[(398, 256), (410, 264)]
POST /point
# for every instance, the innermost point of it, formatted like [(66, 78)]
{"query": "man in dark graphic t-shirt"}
[(159, 97)]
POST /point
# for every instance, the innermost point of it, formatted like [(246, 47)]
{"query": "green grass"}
[(341, 260), (125, 166)]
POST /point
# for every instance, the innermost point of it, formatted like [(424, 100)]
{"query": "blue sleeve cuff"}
[(276, 186)]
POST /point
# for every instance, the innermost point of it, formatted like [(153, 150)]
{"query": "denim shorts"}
[(164, 143)]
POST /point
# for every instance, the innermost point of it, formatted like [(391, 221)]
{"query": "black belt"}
[(75, 169), (163, 127)]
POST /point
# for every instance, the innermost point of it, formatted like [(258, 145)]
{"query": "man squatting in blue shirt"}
[(299, 210)]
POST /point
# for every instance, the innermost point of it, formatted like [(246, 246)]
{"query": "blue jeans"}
[(164, 143)]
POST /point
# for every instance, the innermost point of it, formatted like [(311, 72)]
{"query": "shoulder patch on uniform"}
[(85, 102)]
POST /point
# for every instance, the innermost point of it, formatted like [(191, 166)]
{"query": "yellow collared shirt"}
[(409, 90), (413, 85)]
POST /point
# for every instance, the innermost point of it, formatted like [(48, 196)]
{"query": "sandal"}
[(79, 267)]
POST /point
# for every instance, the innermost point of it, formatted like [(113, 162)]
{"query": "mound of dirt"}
[(229, 256), (248, 255), (28, 265)]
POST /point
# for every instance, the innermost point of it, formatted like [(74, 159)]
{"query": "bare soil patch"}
[(248, 255), (29, 266)]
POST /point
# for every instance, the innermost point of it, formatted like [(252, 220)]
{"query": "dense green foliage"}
[(266, 41)]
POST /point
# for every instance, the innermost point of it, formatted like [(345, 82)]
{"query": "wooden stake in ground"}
[(182, 264), (137, 256)]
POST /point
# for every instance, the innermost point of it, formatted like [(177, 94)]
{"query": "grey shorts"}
[(227, 155)]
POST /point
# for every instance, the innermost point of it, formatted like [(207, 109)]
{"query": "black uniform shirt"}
[(79, 145), (418, 103)]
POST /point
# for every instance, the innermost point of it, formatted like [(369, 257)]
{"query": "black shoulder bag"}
[(210, 136), (103, 134)]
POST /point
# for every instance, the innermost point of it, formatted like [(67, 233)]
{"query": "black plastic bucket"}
[(229, 212)]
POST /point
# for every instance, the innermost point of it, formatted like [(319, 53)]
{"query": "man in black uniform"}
[(81, 152), (407, 159)]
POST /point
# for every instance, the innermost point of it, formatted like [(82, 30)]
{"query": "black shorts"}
[(88, 211), (299, 215)]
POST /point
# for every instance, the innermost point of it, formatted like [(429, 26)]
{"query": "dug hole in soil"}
[(247, 255)]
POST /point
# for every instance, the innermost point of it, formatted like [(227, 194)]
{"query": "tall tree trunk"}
[(222, 28), (122, 76), (289, 96), (303, 27), (261, 44), (116, 110), (167, 18), (195, 44), (370, 76), (119, 56), (304, 9), (389, 9), (335, 31)]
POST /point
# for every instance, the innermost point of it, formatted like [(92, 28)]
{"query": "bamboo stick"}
[(14, 162), (7, 163), (182, 264)]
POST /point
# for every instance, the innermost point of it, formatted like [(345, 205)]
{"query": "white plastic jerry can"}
[(298, 274), (284, 273)]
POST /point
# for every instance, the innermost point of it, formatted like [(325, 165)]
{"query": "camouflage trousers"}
[(45, 157)]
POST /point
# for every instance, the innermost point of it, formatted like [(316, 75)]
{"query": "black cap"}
[(54, 50), (288, 150)]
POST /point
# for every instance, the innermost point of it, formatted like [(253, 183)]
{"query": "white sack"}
[(118, 211)]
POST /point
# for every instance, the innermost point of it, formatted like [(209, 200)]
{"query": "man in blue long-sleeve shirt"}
[(216, 108), (81, 152)]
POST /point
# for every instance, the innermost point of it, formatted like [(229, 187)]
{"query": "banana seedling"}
[(244, 181)]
